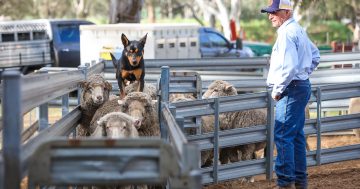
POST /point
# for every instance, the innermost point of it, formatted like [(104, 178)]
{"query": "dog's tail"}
[(114, 61)]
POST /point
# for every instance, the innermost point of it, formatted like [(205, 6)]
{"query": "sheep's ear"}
[(108, 86), (123, 105), (228, 87), (153, 102), (101, 122), (83, 84)]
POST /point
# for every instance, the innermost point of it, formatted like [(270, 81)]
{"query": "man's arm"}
[(315, 57)]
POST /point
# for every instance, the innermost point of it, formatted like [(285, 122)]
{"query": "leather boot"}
[(300, 186), (290, 186)]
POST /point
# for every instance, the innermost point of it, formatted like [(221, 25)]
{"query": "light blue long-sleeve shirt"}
[(294, 57)]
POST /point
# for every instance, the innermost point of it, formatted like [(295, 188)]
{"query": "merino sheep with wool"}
[(139, 105), (150, 89), (354, 107), (231, 120), (117, 125), (95, 92)]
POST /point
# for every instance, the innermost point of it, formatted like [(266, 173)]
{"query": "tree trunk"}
[(151, 12), (357, 36), (81, 8), (223, 16), (221, 13), (126, 11), (357, 26)]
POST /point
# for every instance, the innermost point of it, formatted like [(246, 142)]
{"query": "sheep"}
[(354, 107), (117, 125), (139, 105), (95, 92), (181, 97), (148, 88), (231, 120)]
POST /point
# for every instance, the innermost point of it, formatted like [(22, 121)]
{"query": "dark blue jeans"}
[(290, 165)]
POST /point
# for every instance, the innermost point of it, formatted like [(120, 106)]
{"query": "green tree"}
[(15, 9), (336, 10)]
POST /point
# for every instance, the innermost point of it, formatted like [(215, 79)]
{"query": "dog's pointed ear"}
[(143, 40), (124, 40)]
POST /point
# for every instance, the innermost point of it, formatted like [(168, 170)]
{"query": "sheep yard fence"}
[(248, 74), (23, 93), (186, 110), (54, 157)]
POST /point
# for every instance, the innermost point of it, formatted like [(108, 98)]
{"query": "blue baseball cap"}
[(275, 5)]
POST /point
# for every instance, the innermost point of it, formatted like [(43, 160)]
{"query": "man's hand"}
[(276, 97)]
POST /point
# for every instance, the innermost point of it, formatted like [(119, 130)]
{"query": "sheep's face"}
[(136, 109), (219, 88), (116, 128), (98, 93)]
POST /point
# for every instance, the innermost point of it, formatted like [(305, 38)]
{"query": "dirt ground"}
[(342, 175)]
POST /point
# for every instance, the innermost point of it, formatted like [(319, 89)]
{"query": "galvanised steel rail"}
[(203, 63), (331, 59), (60, 162), (260, 133), (23, 93), (249, 84), (234, 70)]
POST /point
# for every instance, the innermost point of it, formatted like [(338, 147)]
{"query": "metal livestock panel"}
[(219, 139), (17, 157), (103, 162)]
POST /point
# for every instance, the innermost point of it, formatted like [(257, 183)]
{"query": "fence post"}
[(266, 68), (65, 105), (12, 122), (198, 96), (318, 126), (270, 137), (216, 141), (43, 115), (84, 70), (164, 97), (191, 159), (2, 177)]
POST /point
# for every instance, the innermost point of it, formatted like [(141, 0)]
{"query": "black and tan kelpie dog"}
[(130, 66)]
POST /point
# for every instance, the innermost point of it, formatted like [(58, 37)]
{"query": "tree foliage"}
[(35, 9)]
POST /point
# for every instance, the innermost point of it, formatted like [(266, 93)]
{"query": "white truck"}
[(164, 41)]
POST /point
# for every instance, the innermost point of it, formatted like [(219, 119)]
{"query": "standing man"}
[(293, 59)]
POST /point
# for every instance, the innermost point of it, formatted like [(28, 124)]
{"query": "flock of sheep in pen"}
[(106, 115)]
